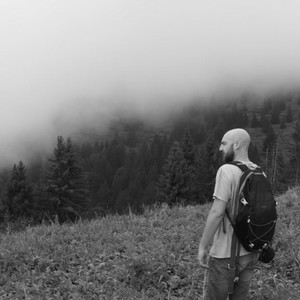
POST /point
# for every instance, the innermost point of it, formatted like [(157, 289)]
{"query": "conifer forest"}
[(136, 164)]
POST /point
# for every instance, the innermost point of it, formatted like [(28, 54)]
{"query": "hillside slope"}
[(151, 256), (197, 114)]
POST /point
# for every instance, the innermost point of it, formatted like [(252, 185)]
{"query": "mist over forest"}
[(134, 163), (101, 101), (98, 60)]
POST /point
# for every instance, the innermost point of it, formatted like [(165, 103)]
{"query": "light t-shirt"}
[(226, 186)]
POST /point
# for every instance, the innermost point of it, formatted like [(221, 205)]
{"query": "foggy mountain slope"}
[(194, 115), (131, 162)]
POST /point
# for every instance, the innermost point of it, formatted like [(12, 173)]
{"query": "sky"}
[(65, 64)]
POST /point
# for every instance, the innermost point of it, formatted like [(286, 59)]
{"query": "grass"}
[(152, 256)]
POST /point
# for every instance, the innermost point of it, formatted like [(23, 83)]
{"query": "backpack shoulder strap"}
[(240, 165), (235, 244), (243, 167)]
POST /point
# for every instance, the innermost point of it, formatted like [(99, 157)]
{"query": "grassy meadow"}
[(149, 256)]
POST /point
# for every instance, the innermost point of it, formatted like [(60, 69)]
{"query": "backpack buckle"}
[(236, 279), (244, 201)]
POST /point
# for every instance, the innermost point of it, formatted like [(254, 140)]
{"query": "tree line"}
[(129, 173)]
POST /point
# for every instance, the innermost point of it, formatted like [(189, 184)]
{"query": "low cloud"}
[(69, 64)]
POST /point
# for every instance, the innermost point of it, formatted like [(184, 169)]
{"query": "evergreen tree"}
[(281, 105), (254, 122), (65, 190), (35, 169), (200, 134), (243, 119), (172, 186), (295, 157), (289, 116), (148, 198), (136, 190), (178, 130), (122, 204), (234, 117), (270, 139), (120, 182), (19, 193), (267, 106), (298, 99), (254, 154), (283, 122), (265, 124), (275, 115), (158, 151), (206, 164), (188, 148), (115, 153), (103, 200)]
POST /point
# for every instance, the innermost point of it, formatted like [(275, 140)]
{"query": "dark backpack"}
[(255, 213), (254, 219)]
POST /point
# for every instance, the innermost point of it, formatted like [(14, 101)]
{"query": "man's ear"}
[(236, 145)]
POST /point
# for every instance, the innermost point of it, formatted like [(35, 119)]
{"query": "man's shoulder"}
[(229, 168)]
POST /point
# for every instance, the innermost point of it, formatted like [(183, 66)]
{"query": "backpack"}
[(254, 219), (255, 213)]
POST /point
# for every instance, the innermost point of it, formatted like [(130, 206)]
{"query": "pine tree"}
[(206, 166), (122, 204), (189, 154), (158, 151), (298, 99), (115, 153), (289, 116), (103, 198), (254, 154), (19, 193), (172, 186), (149, 194), (275, 115), (270, 139), (188, 147), (242, 118), (295, 157), (120, 182), (281, 105), (136, 190), (254, 122), (265, 124), (65, 187), (283, 122)]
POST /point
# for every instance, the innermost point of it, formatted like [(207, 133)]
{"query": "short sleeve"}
[(222, 189)]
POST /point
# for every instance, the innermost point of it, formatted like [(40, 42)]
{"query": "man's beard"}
[(229, 156)]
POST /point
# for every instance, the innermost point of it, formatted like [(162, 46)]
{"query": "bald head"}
[(239, 137), (235, 144)]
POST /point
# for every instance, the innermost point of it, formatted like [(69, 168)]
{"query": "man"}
[(218, 230)]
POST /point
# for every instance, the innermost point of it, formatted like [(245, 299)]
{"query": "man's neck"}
[(242, 158)]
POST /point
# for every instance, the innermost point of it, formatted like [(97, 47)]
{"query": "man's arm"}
[(213, 221)]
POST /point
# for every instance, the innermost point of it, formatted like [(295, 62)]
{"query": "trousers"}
[(217, 278)]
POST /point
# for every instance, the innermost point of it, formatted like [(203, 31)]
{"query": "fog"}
[(67, 64)]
